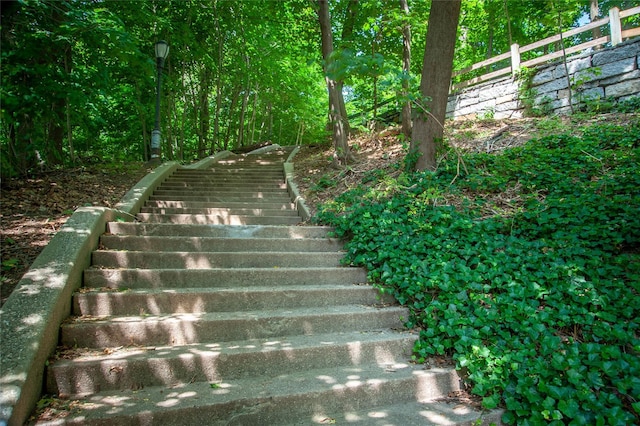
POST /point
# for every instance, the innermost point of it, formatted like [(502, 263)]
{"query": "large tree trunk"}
[(406, 68), (337, 119), (434, 85)]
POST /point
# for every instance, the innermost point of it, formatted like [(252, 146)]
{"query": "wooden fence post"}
[(615, 25), (515, 59)]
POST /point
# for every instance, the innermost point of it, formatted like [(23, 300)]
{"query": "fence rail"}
[(617, 34)]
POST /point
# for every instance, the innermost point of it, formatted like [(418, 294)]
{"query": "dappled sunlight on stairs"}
[(218, 308)]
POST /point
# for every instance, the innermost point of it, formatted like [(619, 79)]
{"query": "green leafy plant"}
[(526, 93), (628, 105), (324, 182), (10, 264), (488, 114), (525, 270)]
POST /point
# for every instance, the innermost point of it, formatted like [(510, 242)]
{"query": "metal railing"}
[(617, 34)]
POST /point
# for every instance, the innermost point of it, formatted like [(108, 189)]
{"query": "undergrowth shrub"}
[(526, 270)]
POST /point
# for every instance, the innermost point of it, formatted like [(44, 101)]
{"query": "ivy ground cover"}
[(524, 267)]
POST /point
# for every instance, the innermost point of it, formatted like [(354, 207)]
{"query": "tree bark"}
[(337, 120), (232, 107), (434, 85), (353, 6), (506, 13), (594, 14), (406, 68)]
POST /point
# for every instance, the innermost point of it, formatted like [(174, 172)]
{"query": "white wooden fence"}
[(614, 20)]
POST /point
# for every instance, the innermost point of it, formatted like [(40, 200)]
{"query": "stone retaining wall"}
[(612, 73)]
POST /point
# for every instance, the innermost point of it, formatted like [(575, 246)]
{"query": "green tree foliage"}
[(78, 76), (78, 79), (58, 63)]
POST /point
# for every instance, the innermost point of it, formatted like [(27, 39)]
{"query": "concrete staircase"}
[(216, 309)]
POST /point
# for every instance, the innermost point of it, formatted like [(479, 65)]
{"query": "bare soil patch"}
[(319, 181), (34, 208)]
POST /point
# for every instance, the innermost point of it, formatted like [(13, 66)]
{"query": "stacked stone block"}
[(597, 75)]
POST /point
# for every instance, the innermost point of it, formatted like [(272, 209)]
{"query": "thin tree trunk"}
[(243, 109), (492, 23), (406, 68), (506, 13), (234, 101), (374, 81), (55, 133), (67, 67), (337, 120), (216, 117), (252, 123), (353, 6), (594, 14), (169, 148), (245, 103), (205, 118), (143, 123), (564, 58)]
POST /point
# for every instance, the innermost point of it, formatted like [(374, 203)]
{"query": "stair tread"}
[(162, 230), (311, 393), (235, 289), (236, 315), (226, 348), (99, 302), (216, 245)]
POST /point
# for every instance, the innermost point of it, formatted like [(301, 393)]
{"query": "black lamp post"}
[(162, 51)]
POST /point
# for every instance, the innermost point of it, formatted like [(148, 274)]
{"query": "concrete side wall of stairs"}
[(31, 316)]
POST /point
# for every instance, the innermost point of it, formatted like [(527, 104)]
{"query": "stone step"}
[(227, 199), (230, 173), (218, 219), (238, 167), (223, 191), (415, 413), (215, 278), (128, 368), (284, 206), (219, 211), (99, 303), (271, 163), (190, 328), (312, 396), (254, 180), (207, 260), (222, 231), (216, 244), (174, 185), (247, 162)]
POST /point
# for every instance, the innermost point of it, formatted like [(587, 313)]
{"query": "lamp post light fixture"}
[(162, 51)]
